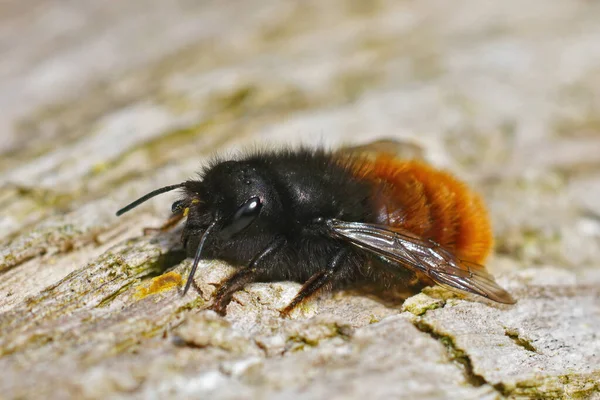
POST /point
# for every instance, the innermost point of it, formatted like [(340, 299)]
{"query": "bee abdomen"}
[(432, 204)]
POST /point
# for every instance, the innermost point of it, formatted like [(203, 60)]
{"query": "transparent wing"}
[(400, 149), (406, 249)]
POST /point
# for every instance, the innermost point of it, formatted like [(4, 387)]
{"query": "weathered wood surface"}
[(102, 102)]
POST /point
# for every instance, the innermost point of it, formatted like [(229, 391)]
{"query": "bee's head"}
[(232, 205), (235, 196)]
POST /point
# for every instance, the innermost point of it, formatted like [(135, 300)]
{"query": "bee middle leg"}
[(317, 282), (243, 276)]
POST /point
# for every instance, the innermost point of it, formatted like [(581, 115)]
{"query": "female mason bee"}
[(320, 217)]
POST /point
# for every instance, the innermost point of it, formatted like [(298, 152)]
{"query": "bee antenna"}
[(148, 196), (197, 257)]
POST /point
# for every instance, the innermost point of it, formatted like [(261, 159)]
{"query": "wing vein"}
[(405, 249)]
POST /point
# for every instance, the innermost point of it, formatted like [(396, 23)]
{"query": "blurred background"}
[(103, 101)]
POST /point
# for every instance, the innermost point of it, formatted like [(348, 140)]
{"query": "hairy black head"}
[(242, 202)]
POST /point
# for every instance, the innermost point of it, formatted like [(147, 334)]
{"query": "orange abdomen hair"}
[(430, 203)]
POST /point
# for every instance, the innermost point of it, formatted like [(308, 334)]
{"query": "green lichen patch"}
[(95, 285), (421, 303), (569, 386), (310, 334), (50, 239), (520, 341), (442, 294), (454, 353)]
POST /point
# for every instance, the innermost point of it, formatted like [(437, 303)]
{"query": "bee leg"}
[(171, 222), (243, 276), (317, 282)]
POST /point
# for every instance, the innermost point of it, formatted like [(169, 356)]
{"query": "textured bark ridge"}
[(104, 102)]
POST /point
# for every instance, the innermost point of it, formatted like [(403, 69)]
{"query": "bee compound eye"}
[(243, 217), (177, 206), (250, 208)]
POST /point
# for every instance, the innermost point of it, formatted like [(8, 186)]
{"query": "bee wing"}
[(404, 150), (404, 248)]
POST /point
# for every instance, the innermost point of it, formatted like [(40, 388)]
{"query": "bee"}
[(323, 218)]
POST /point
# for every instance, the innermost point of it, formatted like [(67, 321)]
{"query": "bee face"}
[(238, 201), (228, 229)]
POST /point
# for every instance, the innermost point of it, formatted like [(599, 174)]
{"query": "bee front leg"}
[(243, 276), (318, 282)]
